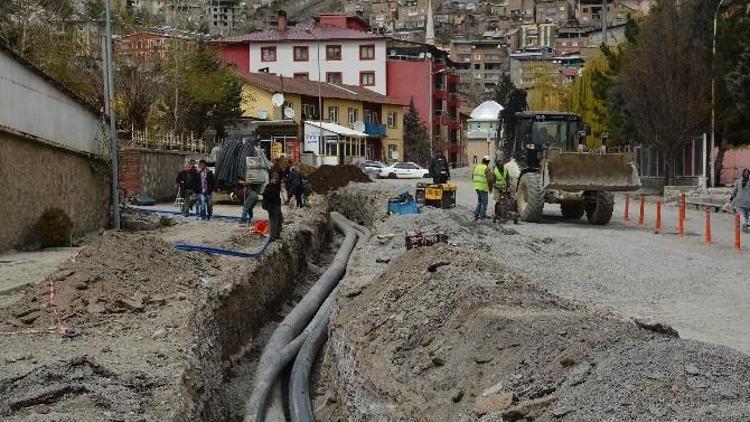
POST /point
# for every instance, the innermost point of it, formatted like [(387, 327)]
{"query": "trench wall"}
[(228, 320), (36, 176)]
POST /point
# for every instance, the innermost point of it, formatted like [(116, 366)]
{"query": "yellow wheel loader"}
[(551, 164)]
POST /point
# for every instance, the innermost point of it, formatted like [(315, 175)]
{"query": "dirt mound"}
[(446, 335), (327, 178), (118, 273)]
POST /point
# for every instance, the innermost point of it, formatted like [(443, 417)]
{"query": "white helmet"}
[(486, 158)]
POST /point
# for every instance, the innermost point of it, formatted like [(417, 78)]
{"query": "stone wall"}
[(152, 172), (36, 176)]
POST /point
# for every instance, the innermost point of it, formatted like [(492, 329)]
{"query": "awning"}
[(331, 129)]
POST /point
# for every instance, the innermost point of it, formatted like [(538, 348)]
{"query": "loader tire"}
[(530, 197), (572, 210), (599, 208)]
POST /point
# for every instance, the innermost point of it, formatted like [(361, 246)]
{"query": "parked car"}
[(373, 168), (404, 170)]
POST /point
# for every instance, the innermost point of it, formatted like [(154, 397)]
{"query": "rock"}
[(567, 361), (528, 409), (492, 417), (657, 327), (559, 412), (690, 369), (493, 390), (160, 333), (354, 292), (30, 318), (131, 304), (579, 374), (25, 312), (480, 359), (492, 403), (181, 296), (456, 395), (438, 361), (95, 308), (157, 300), (80, 285)]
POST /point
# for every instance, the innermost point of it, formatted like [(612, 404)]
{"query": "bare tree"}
[(664, 81)]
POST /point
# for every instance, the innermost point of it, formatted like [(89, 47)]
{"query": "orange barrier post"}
[(707, 235), (683, 205), (627, 207), (737, 235), (657, 229), (642, 211), (681, 221)]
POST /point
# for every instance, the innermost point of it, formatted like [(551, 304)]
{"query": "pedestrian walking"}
[(295, 185), (482, 179), (306, 191), (186, 185), (740, 198), (440, 169), (249, 198), (272, 204), (206, 186)]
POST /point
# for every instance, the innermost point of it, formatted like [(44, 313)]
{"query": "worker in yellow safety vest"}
[(500, 177), (482, 184)]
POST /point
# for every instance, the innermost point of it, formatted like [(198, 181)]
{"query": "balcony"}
[(374, 129), (453, 100), (453, 79), (439, 95), (455, 125)]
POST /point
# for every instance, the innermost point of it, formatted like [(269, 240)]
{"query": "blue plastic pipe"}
[(221, 251)]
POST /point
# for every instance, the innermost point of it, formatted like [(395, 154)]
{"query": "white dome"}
[(487, 111)]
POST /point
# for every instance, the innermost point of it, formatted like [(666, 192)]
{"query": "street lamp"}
[(713, 97)]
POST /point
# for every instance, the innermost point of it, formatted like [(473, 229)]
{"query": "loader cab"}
[(539, 131)]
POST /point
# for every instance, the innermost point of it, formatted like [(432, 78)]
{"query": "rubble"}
[(327, 178)]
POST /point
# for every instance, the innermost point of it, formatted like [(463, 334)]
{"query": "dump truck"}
[(550, 163)]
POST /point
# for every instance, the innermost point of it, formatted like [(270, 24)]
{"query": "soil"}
[(449, 333), (328, 178)]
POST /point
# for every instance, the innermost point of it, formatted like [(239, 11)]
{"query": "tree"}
[(663, 82), (593, 109), (416, 137), (504, 89), (138, 87), (516, 104)]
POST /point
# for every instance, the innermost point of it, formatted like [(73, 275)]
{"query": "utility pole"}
[(109, 90), (712, 163)]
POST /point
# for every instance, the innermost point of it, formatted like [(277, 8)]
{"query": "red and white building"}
[(349, 53)]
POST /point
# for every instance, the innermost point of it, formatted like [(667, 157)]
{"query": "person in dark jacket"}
[(186, 183), (272, 204), (296, 189), (439, 169), (205, 188)]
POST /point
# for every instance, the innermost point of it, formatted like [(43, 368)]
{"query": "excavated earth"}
[(149, 331), (448, 333)]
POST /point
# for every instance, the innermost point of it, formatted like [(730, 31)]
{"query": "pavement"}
[(700, 290), (19, 270)]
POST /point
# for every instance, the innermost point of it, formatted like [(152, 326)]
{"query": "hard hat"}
[(486, 158)]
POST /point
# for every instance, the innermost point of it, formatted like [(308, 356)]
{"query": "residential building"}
[(589, 12), (483, 126), (349, 54), (425, 74), (154, 43), (537, 35), (480, 63), (220, 17), (412, 14), (383, 14), (345, 109)]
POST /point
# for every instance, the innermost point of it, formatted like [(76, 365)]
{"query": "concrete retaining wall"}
[(36, 176)]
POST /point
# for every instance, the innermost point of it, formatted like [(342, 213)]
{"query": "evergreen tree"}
[(416, 137), (503, 89), (508, 120)]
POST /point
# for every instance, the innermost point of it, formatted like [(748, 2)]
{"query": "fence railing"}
[(168, 141)]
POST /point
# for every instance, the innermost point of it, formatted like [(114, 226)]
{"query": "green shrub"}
[(54, 228)]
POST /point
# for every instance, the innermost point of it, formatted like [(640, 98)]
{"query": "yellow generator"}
[(436, 195)]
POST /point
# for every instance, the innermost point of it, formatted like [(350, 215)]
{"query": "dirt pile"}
[(327, 178), (447, 335), (119, 273)]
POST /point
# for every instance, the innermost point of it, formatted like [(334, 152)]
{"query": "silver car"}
[(373, 168)]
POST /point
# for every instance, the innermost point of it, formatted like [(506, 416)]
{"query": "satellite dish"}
[(421, 55), (277, 100), (394, 155), (429, 55), (289, 113), (359, 126), (393, 52), (262, 114)]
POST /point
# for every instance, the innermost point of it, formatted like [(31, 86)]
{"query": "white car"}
[(404, 170)]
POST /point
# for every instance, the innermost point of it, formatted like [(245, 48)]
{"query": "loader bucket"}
[(571, 171)]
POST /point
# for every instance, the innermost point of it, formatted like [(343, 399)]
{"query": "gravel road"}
[(701, 291)]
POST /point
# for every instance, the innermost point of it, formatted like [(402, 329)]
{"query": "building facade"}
[(480, 63), (348, 53)]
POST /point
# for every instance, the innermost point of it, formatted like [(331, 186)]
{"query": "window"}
[(367, 78), (302, 75), (333, 114), (367, 52), (309, 111), (353, 115), (392, 118), (477, 66), (334, 77), (301, 54), (268, 54), (392, 152), (333, 52)]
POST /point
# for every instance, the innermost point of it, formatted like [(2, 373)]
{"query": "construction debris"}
[(327, 178)]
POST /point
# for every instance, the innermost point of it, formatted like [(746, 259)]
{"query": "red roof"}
[(276, 83), (569, 72), (299, 33)]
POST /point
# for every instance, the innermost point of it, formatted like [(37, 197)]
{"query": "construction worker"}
[(500, 178), (482, 180)]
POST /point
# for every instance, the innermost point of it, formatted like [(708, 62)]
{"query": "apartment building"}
[(349, 54), (480, 62)]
